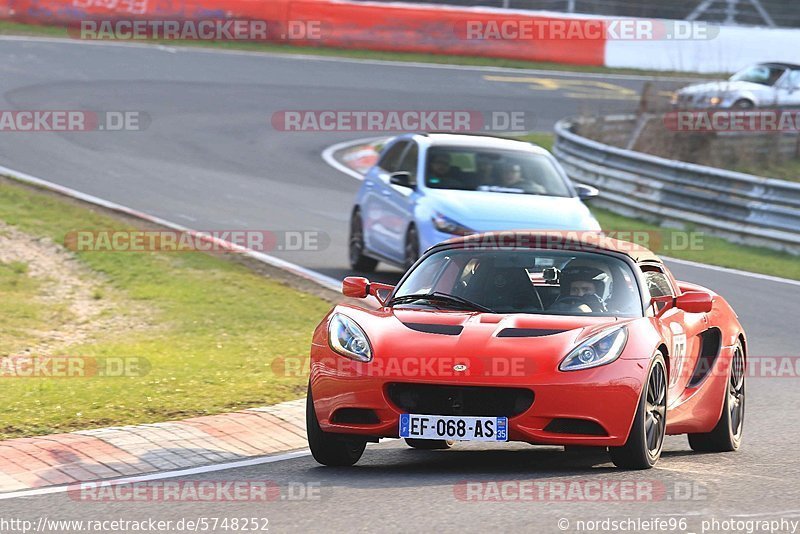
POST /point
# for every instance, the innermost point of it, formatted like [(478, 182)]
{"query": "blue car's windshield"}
[(521, 280), (500, 171)]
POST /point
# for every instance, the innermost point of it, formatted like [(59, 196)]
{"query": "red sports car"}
[(547, 338)]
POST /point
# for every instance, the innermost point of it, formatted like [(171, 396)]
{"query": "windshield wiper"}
[(438, 296)]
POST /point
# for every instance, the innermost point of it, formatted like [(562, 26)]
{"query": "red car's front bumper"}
[(592, 407)]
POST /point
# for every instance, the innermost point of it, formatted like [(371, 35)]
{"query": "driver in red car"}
[(585, 287)]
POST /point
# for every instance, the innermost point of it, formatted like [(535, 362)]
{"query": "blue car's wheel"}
[(411, 248), (359, 262)]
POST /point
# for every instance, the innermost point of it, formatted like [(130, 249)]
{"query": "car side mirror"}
[(356, 287), (695, 302), (586, 192), (359, 287), (401, 178)]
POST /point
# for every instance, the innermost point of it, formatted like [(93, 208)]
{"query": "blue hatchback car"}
[(427, 188)]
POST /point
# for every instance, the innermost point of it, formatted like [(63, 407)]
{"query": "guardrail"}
[(740, 207)]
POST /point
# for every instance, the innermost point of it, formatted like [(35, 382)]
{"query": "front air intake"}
[(581, 427), (425, 399)]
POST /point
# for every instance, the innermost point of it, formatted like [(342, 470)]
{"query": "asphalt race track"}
[(210, 159)]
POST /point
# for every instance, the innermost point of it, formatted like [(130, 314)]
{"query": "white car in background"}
[(760, 85)]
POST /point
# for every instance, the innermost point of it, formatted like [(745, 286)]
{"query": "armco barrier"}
[(362, 25), (741, 207)]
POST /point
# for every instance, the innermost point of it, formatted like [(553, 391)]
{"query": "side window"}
[(658, 285), (794, 79), (391, 158), (410, 161)]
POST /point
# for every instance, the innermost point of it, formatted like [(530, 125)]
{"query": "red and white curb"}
[(31, 466), (354, 158)]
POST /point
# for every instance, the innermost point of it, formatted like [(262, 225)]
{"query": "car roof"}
[(781, 65), (557, 240), (478, 141)]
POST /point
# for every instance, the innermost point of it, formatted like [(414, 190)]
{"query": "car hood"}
[(482, 340), (722, 87), (484, 211)]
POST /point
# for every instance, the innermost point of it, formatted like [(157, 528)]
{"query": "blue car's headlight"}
[(449, 226), (348, 339), (600, 349)]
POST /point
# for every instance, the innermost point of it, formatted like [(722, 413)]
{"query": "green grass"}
[(786, 170), (711, 250), (13, 28), (19, 314), (544, 140), (215, 329)]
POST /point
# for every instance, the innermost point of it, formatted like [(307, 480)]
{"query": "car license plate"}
[(455, 428)]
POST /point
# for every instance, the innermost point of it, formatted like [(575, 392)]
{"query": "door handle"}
[(386, 193)]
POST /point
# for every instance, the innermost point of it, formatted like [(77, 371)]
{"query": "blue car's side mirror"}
[(585, 192)]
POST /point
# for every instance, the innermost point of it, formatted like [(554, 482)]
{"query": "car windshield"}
[(514, 280), (763, 74), (500, 171)]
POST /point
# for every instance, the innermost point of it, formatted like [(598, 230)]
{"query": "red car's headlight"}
[(600, 349), (348, 339)]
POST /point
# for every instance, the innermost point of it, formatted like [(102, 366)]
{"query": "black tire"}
[(411, 248), (646, 440), (429, 444), (327, 448), (743, 103), (358, 261), (727, 434)]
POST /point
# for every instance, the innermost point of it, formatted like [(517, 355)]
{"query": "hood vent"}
[(445, 329), (528, 332)]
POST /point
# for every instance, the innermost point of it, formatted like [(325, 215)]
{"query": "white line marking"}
[(728, 270), (321, 279), (164, 474), (327, 155), (376, 62)]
